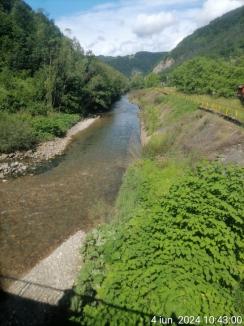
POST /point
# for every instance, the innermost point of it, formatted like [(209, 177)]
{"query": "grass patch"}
[(167, 109), (160, 143), (229, 107)]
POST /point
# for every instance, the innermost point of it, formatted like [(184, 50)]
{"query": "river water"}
[(72, 193)]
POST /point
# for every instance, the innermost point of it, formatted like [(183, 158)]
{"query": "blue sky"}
[(121, 27), (59, 8)]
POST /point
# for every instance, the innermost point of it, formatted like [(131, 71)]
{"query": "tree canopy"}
[(204, 75), (38, 64)]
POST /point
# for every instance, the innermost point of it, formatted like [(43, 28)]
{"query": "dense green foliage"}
[(223, 37), (172, 252), (142, 62), (43, 71), (37, 59), (209, 76), (19, 131)]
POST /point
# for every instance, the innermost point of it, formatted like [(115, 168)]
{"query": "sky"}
[(122, 27)]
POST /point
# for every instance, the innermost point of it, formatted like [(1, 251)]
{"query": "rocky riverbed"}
[(25, 162)]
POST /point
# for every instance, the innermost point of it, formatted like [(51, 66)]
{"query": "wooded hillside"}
[(42, 72), (223, 37), (142, 62)]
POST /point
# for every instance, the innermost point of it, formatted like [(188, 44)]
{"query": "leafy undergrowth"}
[(53, 125), (175, 249), (22, 131)]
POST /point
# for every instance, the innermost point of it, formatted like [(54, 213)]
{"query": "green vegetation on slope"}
[(223, 37), (176, 245), (142, 62), (42, 71), (138, 81), (209, 76)]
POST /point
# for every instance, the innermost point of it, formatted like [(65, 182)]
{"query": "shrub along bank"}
[(175, 247), (22, 131)]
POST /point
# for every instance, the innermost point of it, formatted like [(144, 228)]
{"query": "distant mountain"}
[(223, 37), (143, 62)]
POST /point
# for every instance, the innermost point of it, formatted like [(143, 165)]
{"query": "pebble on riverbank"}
[(24, 162)]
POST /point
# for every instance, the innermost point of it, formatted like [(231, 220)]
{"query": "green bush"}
[(179, 253), (15, 134), (56, 124)]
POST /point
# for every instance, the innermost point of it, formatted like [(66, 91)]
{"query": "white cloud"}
[(214, 8), (148, 25), (126, 27)]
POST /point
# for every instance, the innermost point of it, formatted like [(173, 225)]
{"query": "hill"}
[(223, 37), (45, 78), (142, 62)]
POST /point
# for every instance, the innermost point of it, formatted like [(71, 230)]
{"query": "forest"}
[(47, 82)]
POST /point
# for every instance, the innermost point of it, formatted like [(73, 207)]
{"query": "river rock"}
[(3, 167), (12, 155), (14, 164)]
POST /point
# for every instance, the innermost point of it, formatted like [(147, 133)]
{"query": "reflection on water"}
[(38, 212)]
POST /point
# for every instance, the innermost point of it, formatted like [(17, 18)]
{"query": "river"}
[(74, 192)]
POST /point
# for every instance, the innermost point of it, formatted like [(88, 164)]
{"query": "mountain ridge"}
[(142, 62), (221, 38)]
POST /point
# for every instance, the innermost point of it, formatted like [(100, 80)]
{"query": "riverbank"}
[(20, 162), (177, 188)]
